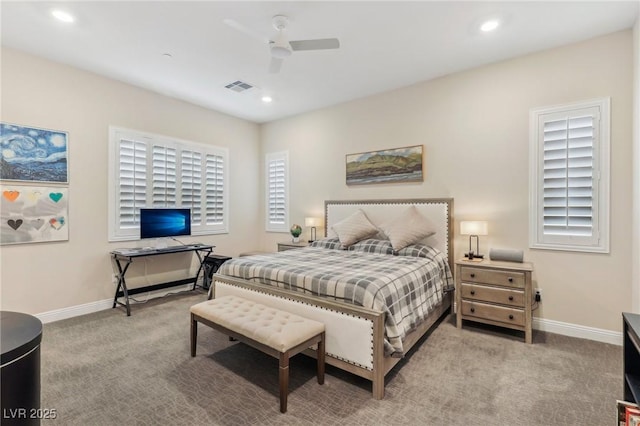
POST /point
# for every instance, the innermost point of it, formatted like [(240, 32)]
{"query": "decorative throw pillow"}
[(372, 245), (328, 243), (418, 250), (408, 228), (354, 228)]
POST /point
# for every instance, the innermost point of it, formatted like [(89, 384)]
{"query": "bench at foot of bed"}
[(272, 331)]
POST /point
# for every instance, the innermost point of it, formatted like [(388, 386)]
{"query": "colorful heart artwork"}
[(15, 224), (11, 195), (55, 196), (37, 224), (56, 222), (34, 196)]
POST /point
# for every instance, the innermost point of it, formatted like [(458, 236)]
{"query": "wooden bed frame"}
[(355, 335)]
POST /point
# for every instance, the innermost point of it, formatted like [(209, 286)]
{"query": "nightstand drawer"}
[(488, 276), (503, 296), (493, 313)]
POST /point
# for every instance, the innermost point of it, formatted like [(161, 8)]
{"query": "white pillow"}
[(354, 228), (408, 228)]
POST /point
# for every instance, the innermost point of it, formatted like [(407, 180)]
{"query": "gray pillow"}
[(354, 228), (408, 228)]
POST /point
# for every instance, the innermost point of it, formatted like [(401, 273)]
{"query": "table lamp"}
[(312, 222), (473, 228)]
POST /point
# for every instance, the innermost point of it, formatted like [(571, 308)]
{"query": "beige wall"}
[(37, 278), (474, 128)]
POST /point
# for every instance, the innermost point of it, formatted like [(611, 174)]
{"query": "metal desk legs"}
[(122, 284)]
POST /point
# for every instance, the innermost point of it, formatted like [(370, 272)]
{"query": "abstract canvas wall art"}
[(31, 154), (32, 214)]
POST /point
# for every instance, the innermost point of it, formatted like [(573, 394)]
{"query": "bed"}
[(375, 303)]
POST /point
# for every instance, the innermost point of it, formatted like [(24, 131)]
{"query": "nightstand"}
[(496, 293), (288, 245)]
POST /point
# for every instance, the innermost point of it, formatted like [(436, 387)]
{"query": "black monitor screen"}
[(159, 223)]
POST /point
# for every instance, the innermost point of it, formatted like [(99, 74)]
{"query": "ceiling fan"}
[(281, 47)]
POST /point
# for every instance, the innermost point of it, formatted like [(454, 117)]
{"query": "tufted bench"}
[(272, 331)]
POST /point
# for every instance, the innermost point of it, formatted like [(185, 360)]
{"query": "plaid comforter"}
[(405, 288)]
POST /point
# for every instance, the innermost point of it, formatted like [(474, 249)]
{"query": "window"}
[(277, 190), (154, 171), (569, 183)]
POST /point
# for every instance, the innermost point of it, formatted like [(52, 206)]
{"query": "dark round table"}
[(20, 337)]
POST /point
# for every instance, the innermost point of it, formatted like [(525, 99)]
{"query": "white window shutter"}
[(148, 170), (132, 181), (214, 189), (277, 192), (570, 177), (164, 176), (191, 183)]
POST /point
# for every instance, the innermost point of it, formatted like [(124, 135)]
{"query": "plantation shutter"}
[(277, 192), (568, 175), (148, 170), (164, 176), (132, 181), (191, 188), (214, 189), (276, 170)]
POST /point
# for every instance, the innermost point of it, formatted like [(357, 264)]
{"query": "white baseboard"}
[(100, 305), (574, 330), (74, 311)]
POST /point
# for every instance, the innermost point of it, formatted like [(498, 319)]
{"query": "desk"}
[(125, 257)]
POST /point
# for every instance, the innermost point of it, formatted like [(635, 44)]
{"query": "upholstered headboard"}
[(438, 211)]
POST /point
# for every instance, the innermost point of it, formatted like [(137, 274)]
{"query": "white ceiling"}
[(384, 45)]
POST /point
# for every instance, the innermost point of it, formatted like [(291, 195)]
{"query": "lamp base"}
[(471, 255)]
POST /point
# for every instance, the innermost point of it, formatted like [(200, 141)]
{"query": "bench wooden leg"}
[(284, 381), (320, 358), (194, 335)]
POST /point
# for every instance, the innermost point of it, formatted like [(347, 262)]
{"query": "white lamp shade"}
[(312, 221), (474, 227)]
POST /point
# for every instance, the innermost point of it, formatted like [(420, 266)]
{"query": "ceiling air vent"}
[(239, 86)]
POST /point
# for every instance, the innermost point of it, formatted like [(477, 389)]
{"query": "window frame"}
[(117, 232), (270, 157), (598, 242)]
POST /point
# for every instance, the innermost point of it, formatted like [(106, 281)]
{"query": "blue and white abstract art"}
[(33, 155)]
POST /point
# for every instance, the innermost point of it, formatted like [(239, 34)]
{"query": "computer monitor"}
[(164, 222)]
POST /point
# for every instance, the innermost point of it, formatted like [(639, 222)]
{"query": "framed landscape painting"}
[(30, 154), (389, 165)]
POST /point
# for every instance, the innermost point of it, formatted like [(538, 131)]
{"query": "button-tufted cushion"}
[(277, 329)]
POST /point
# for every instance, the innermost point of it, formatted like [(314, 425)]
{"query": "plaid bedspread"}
[(406, 288)]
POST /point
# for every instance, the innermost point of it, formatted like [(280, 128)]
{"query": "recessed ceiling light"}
[(267, 99), (489, 25), (63, 16)]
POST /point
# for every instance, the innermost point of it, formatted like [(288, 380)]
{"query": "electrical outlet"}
[(538, 294)]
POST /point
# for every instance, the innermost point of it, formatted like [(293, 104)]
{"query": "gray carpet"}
[(107, 369)]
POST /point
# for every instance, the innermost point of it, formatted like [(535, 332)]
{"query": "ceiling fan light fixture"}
[(281, 52)]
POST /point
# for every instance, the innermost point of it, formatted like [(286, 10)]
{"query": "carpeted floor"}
[(110, 369)]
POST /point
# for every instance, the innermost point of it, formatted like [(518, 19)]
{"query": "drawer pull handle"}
[(473, 292), (473, 275), (510, 279), (473, 309), (510, 316), (511, 298)]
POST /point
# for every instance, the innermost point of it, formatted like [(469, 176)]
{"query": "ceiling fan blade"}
[(318, 44), (248, 31), (275, 65)]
